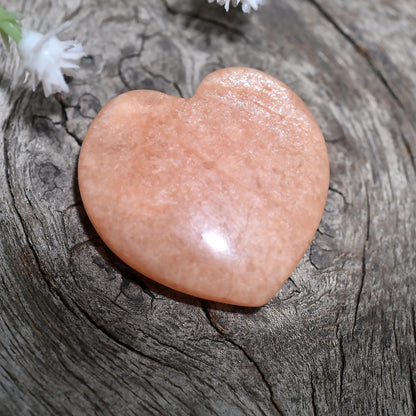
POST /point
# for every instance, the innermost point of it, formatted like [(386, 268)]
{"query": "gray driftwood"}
[(81, 333)]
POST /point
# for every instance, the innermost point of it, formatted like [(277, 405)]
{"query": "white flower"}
[(46, 59), (246, 5)]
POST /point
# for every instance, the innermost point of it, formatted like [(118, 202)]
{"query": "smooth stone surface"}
[(218, 195)]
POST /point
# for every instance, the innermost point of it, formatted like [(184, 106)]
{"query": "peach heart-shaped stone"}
[(218, 195)]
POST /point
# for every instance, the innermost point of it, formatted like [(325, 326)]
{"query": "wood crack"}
[(339, 193), (275, 402), (361, 51), (73, 13), (408, 150), (412, 388), (363, 261), (313, 397), (13, 202), (64, 122), (130, 56), (48, 282), (196, 16), (119, 342), (342, 364), (310, 259), (411, 367)]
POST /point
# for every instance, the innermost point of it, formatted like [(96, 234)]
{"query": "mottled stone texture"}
[(82, 334), (218, 195)]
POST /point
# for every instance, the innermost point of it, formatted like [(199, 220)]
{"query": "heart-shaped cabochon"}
[(218, 195)]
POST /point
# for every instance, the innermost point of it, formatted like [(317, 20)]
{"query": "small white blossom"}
[(44, 58), (246, 5)]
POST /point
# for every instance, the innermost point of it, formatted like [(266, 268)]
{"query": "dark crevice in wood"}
[(82, 243), (409, 151), (211, 319), (33, 209), (412, 388), (119, 342), (119, 19), (163, 78), (117, 305), (320, 232), (154, 75), (297, 290), (196, 16), (339, 193), (117, 296), (13, 201), (78, 107), (411, 367), (175, 348), (133, 55), (361, 50), (37, 117), (363, 260), (145, 289), (334, 141), (394, 334), (64, 122), (73, 14), (74, 205), (342, 366), (176, 86), (368, 215), (276, 403), (313, 398), (310, 259)]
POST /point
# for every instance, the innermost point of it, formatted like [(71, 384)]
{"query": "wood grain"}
[(81, 333)]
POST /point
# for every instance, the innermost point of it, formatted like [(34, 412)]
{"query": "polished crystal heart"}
[(218, 195)]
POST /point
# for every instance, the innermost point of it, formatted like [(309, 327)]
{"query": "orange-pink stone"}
[(218, 195)]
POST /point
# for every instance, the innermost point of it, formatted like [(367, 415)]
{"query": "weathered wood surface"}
[(81, 333)]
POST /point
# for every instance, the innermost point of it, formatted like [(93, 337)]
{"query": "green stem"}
[(9, 28)]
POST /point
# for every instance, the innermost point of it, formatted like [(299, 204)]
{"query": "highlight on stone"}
[(217, 196)]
